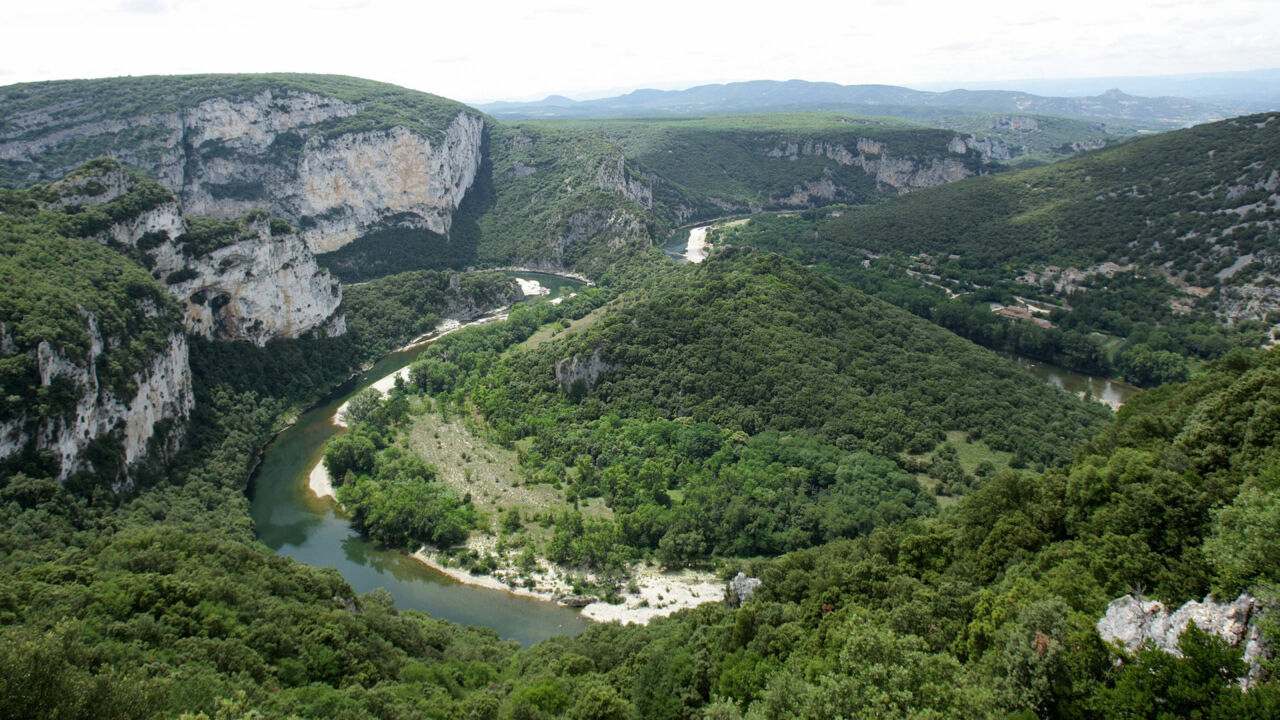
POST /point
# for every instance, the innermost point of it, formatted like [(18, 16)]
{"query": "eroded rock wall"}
[(162, 392), (265, 284), (274, 150)]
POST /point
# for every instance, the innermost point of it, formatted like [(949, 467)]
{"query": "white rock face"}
[(1134, 622), (585, 368), (163, 393), (900, 173), (225, 157), (613, 176), (261, 287), (362, 179)]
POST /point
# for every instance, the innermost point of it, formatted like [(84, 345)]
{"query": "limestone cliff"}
[(333, 167), (967, 155), (251, 280), (151, 416), (265, 285)]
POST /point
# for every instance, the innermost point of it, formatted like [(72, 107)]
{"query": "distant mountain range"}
[(1237, 93), (771, 96)]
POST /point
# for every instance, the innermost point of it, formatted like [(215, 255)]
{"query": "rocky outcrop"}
[(1134, 622), (137, 420), (742, 589), (276, 150), (581, 369), (262, 281), (264, 286), (613, 176), (617, 227), (901, 173)]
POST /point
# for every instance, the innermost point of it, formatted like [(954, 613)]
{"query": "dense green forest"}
[(1174, 200), (740, 408), (935, 532), (1107, 325), (987, 608)]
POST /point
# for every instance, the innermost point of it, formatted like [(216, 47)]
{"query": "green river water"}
[(293, 522)]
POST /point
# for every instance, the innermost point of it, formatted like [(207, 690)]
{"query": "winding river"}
[(295, 523)]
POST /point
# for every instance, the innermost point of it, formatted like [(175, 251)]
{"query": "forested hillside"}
[(744, 407), (1185, 204), (709, 166), (988, 608), (1143, 258)]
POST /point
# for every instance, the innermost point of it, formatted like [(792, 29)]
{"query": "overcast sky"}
[(481, 50)]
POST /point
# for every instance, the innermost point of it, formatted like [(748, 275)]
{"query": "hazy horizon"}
[(515, 51)]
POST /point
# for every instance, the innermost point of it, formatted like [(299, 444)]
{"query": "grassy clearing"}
[(470, 464), (970, 454), (555, 330), (973, 453), (490, 473)]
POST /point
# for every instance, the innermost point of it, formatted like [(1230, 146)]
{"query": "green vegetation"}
[(708, 165), (546, 195), (744, 407), (59, 288), (946, 253), (987, 608), (747, 411), (1165, 200), (205, 235)]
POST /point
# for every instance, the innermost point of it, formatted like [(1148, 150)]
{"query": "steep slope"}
[(95, 348), (709, 166), (94, 359), (251, 279), (338, 157), (1200, 206)]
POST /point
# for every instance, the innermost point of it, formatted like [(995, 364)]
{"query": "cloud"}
[(146, 7)]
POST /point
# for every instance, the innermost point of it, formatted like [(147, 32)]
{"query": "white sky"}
[(481, 50)]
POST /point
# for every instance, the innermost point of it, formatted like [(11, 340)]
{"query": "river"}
[(1113, 393), (295, 523)]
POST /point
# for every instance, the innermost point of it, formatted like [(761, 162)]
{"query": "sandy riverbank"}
[(695, 250), (384, 384), (320, 484), (658, 593)]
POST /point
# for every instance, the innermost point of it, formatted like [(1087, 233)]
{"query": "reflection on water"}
[(295, 523), (1111, 392)]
